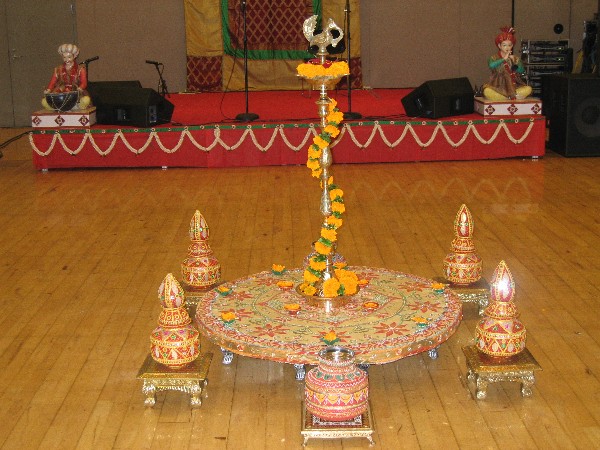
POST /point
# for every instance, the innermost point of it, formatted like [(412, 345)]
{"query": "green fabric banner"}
[(273, 29)]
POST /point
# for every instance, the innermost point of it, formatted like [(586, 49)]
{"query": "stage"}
[(203, 132)]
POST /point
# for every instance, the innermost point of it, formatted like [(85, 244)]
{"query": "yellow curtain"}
[(210, 67)]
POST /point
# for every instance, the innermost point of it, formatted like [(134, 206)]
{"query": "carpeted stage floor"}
[(284, 106), (204, 133)]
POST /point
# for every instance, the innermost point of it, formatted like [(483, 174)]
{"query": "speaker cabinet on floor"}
[(127, 103), (571, 103), (440, 98)]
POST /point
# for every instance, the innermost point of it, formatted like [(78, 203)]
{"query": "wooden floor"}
[(82, 254)]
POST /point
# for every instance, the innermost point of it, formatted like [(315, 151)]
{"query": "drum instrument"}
[(62, 101)]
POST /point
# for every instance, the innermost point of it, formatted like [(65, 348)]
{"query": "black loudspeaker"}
[(571, 104), (103, 86), (440, 98), (127, 103)]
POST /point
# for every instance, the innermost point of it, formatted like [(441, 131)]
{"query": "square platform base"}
[(82, 118), (478, 292), (315, 428), (484, 369), (530, 106), (190, 379)]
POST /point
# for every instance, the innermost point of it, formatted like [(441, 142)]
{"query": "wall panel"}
[(124, 33)]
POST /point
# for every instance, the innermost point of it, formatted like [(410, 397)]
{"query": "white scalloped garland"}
[(280, 130)]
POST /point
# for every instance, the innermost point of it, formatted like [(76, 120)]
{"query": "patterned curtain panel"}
[(275, 42)]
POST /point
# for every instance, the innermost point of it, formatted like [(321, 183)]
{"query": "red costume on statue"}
[(66, 80)]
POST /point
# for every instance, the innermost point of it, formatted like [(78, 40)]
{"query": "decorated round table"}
[(393, 316)]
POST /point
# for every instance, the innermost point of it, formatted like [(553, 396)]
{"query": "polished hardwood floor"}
[(83, 252)]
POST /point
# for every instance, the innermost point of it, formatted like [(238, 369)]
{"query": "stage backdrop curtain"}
[(276, 44)]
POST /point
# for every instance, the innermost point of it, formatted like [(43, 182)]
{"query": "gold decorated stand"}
[(359, 427), (190, 379), (477, 292), (483, 369)]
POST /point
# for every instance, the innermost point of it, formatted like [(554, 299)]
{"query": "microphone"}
[(89, 60), (153, 62)]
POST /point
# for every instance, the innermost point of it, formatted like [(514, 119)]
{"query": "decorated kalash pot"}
[(337, 389), (174, 342), (200, 269), (500, 332), (462, 266)]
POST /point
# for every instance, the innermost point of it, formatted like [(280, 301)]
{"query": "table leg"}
[(227, 356), (481, 391), (526, 384), (482, 304), (433, 353), (149, 390), (471, 375), (300, 372), (195, 395)]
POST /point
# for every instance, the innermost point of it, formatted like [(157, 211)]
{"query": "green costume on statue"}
[(506, 82)]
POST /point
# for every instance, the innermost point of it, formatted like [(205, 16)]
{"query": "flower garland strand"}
[(59, 143), (345, 281), (314, 69)]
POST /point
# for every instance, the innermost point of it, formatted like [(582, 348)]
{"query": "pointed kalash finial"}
[(463, 266), (500, 332), (200, 269), (174, 342)]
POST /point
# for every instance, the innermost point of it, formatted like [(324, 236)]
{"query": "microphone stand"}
[(512, 14), (87, 62), (162, 84), (245, 116), (349, 115)]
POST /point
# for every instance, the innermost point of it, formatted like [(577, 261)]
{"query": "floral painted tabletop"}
[(393, 315)]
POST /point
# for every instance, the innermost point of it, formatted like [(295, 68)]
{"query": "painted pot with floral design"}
[(462, 266), (175, 342), (337, 389), (200, 269), (500, 332)]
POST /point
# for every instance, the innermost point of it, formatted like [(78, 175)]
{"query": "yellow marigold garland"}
[(336, 69), (346, 282), (331, 287)]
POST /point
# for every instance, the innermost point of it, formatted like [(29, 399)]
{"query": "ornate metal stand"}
[(322, 84), (190, 379), (477, 292), (326, 161), (315, 428), (483, 369)]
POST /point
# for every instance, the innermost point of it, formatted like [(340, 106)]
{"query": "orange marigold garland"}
[(345, 282), (314, 69)]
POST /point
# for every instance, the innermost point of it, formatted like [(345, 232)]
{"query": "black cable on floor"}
[(11, 140)]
